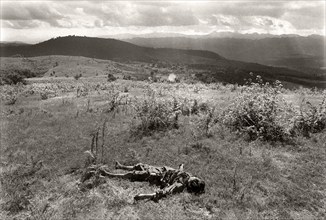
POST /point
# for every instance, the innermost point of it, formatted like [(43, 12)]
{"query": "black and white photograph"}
[(157, 109)]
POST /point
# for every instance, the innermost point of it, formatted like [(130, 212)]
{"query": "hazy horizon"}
[(35, 21)]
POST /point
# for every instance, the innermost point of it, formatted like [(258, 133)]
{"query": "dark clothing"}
[(166, 175), (170, 180)]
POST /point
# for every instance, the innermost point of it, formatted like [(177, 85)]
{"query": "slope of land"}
[(108, 49), (43, 140)]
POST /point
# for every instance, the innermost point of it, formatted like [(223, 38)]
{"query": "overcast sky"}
[(34, 21)]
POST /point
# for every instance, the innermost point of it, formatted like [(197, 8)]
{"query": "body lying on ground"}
[(169, 180)]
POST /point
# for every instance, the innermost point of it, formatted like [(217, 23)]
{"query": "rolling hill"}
[(108, 49)]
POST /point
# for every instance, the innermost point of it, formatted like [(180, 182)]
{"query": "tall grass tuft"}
[(156, 114)]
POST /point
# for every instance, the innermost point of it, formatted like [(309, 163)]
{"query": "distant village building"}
[(172, 78)]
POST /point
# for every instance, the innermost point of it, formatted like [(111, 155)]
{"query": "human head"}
[(195, 185)]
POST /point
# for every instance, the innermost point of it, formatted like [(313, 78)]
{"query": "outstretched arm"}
[(175, 188)]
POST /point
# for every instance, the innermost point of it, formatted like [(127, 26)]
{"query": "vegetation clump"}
[(82, 90), (15, 76), (260, 112), (156, 114), (48, 92), (111, 78), (77, 76), (311, 119), (9, 94)]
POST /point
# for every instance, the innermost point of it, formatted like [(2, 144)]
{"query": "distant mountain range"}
[(12, 43), (214, 34), (301, 53), (212, 66)]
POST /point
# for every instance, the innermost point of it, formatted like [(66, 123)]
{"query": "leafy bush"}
[(260, 112), (311, 119), (156, 115)]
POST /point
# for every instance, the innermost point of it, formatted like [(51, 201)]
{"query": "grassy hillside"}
[(49, 126)]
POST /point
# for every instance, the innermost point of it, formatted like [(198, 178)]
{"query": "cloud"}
[(171, 16), (20, 24), (31, 14), (136, 14)]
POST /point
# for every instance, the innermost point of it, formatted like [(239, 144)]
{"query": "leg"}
[(133, 176), (145, 196), (138, 167), (117, 175), (123, 167)]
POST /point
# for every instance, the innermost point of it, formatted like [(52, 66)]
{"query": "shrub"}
[(260, 112), (77, 76), (126, 77), (114, 100), (156, 115), (82, 90), (311, 119), (46, 93), (9, 94), (111, 78)]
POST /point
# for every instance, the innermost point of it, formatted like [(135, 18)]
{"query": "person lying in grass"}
[(169, 180)]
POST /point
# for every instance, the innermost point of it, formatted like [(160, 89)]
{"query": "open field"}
[(53, 122)]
